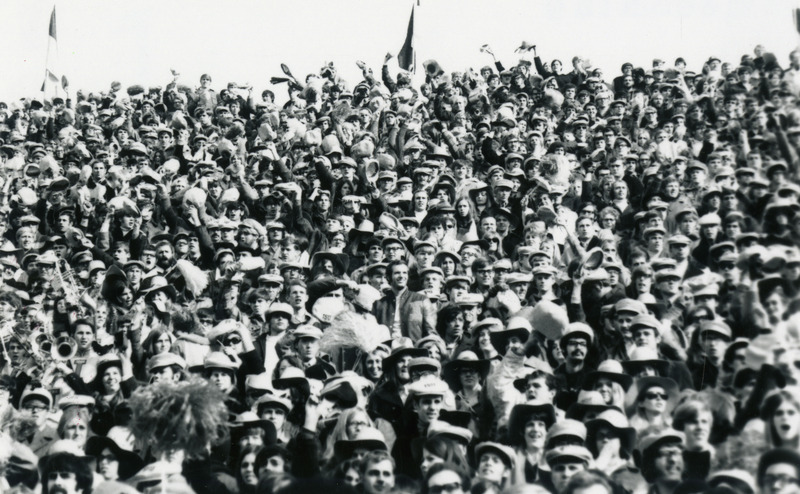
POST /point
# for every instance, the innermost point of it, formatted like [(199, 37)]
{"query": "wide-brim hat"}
[(292, 377), (368, 438), (500, 339), (521, 413), (588, 402), (465, 360), (129, 462), (644, 383), (645, 357), (617, 421), (340, 260), (248, 420), (611, 370), (400, 348)]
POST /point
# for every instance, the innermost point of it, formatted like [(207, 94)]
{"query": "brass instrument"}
[(65, 281)]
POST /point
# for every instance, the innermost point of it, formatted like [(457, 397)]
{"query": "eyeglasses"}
[(727, 266), (439, 489), (34, 408), (656, 396)]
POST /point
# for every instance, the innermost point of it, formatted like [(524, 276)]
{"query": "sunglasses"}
[(232, 341), (656, 396)]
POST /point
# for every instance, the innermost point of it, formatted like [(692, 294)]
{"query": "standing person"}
[(404, 312), (65, 473)]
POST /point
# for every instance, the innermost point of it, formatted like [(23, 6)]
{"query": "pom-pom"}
[(349, 330), (189, 416)]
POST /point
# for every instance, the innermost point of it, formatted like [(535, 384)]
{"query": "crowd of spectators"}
[(524, 280)]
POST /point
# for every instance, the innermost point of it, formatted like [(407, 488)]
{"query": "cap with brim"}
[(506, 453), (461, 435), (38, 393), (271, 400), (718, 327), (667, 274), (166, 359), (219, 360), (368, 438), (280, 308), (428, 386), (76, 400), (577, 330), (649, 442), (568, 454), (469, 299)]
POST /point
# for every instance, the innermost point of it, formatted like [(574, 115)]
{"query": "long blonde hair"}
[(339, 432)]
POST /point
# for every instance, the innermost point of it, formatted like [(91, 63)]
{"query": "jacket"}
[(417, 313)]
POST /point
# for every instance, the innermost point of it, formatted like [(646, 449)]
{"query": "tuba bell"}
[(64, 348)]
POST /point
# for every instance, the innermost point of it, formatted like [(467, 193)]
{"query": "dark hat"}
[(129, 462), (520, 415)]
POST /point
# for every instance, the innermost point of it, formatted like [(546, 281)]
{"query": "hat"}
[(506, 453), (710, 219), (629, 306), (307, 331), (521, 413), (611, 370), (645, 383), (716, 326), (280, 308), (76, 400), (428, 386), (777, 455), (400, 348), (645, 357), (219, 360), (465, 360), (165, 359), (649, 443), (617, 421), (425, 363), (272, 400), (517, 327), (368, 438), (569, 453), (566, 428), (577, 330), (588, 401), (129, 462), (39, 393), (461, 435)]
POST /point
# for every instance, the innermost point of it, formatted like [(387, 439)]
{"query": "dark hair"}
[(67, 462), (447, 450), (446, 314), (447, 466), (582, 480), (394, 264)]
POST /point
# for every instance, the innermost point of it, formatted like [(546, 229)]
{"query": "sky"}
[(245, 41)]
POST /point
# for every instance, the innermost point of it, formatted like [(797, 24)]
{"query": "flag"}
[(53, 85), (797, 19), (407, 58)]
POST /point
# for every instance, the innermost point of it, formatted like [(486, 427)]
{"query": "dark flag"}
[(407, 59)]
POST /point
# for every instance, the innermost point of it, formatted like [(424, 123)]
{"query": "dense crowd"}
[(528, 279)]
